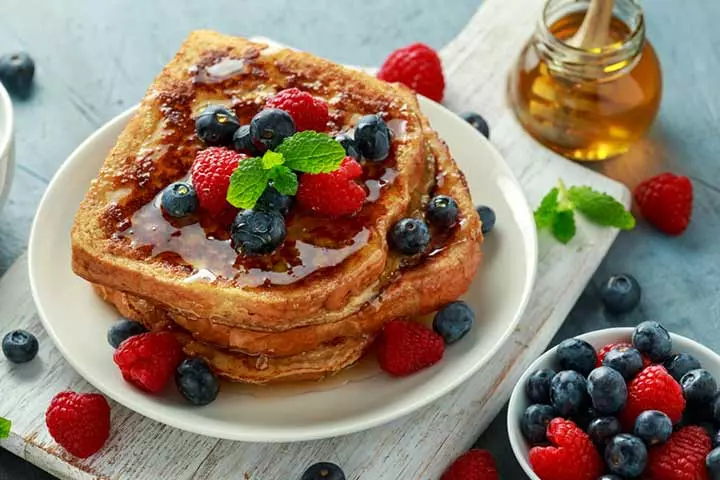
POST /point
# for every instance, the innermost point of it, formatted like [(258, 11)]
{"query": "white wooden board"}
[(419, 446)]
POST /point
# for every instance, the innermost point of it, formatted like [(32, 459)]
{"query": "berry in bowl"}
[(619, 403)]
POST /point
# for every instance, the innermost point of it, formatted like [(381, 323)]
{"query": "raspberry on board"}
[(406, 347), (149, 360), (308, 112), (416, 66), (682, 457), (665, 201), (79, 422), (210, 173), (572, 456), (653, 389), (334, 194), (474, 464)]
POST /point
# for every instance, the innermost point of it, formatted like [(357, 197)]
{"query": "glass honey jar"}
[(587, 103)]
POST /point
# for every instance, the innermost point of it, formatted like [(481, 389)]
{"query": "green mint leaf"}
[(5, 425), (272, 159), (545, 213), (312, 152), (247, 183), (563, 225), (601, 208), (284, 180)]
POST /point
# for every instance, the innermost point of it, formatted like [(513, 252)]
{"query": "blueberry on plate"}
[(652, 339), (242, 141), (350, 146), (122, 330), (698, 386), (602, 429), (20, 346), (410, 236), (323, 471), (179, 199), (453, 321), (534, 422), (537, 387), (16, 73), (620, 293), (372, 136), (257, 232), (712, 462), (607, 390), (626, 360), (680, 364), (273, 200), (196, 382), (216, 125), (477, 121), (442, 211), (568, 393), (270, 127), (576, 354), (653, 427), (487, 217), (626, 455)]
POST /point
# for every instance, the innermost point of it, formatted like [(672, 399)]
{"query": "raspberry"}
[(682, 457), (308, 112), (79, 422), (333, 194), (612, 346), (406, 347), (666, 202), (653, 389), (210, 174), (572, 456), (474, 464), (418, 67), (149, 360)]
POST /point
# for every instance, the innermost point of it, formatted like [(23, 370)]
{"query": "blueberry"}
[(270, 127), (620, 293), (373, 138), (626, 360), (350, 146), (716, 439), (680, 364), (487, 217), (653, 427), (410, 236), (652, 339), (179, 199), (216, 125), (712, 462), (323, 471), (477, 121), (626, 455), (698, 386), (609, 476), (242, 141), (453, 321), (196, 382), (602, 429), (255, 232), (272, 200), (715, 408), (442, 211), (20, 346), (568, 393), (537, 387), (576, 354), (122, 330), (534, 422), (16, 73), (607, 390)]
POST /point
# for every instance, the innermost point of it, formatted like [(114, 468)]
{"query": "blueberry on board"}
[(270, 127), (255, 232), (179, 199), (680, 364), (698, 386), (372, 137), (122, 330), (487, 217), (242, 141), (568, 393), (350, 146), (216, 125), (477, 121), (602, 429), (626, 455), (453, 321), (653, 427), (272, 200), (16, 73), (410, 236), (20, 346), (537, 387), (626, 360), (620, 293), (196, 382), (442, 211), (652, 339), (534, 422), (323, 471), (607, 389), (712, 462), (576, 354)]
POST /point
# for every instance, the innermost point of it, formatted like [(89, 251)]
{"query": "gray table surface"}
[(94, 59)]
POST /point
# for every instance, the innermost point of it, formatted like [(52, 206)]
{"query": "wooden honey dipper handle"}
[(595, 29)]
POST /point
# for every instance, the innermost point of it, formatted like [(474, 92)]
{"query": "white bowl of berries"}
[(6, 144), (619, 403)]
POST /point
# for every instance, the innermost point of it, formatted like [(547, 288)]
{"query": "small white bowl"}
[(598, 339), (6, 144)]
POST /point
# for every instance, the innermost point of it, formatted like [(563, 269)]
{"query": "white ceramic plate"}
[(6, 145), (77, 320)]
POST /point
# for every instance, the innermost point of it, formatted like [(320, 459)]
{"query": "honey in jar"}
[(587, 103)]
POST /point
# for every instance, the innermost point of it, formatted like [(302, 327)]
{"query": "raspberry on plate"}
[(333, 194), (572, 455), (149, 360), (653, 389), (418, 67), (665, 201), (308, 112), (79, 422), (407, 347), (474, 464), (210, 173), (682, 457)]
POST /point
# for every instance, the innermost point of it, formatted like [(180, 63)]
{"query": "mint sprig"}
[(557, 211), (5, 426), (312, 152)]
